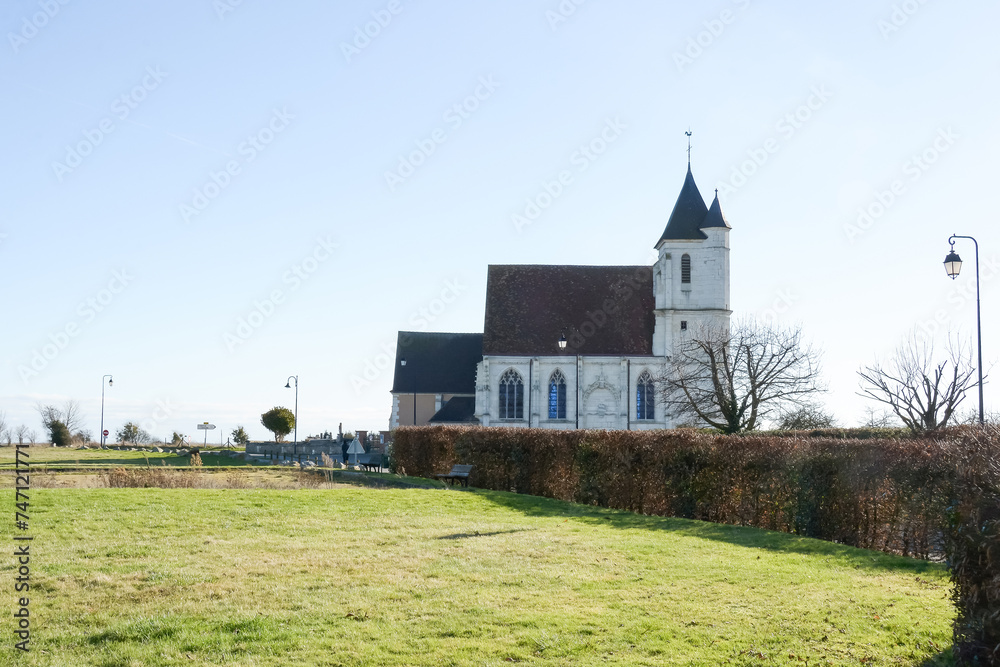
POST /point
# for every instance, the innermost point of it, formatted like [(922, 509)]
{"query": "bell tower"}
[(691, 275)]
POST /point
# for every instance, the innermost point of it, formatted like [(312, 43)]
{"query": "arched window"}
[(686, 269), (557, 396), (645, 397), (511, 395)]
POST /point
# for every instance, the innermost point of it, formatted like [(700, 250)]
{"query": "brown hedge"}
[(916, 497)]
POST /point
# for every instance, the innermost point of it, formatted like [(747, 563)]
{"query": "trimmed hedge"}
[(974, 546), (925, 498)]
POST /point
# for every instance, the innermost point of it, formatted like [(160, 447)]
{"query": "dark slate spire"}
[(688, 215), (715, 218)]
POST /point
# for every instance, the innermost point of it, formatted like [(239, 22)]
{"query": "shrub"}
[(973, 547), (59, 434)]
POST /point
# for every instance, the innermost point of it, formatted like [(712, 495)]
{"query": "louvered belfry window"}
[(686, 269)]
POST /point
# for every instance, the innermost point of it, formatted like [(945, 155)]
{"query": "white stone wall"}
[(702, 303), (394, 417), (604, 388)]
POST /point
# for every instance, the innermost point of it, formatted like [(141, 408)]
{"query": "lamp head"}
[(402, 362), (953, 264), (111, 382), (562, 340), (288, 385)]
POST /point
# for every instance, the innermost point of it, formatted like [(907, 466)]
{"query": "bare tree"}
[(32, 436), (21, 432), (806, 417), (734, 379), (879, 418), (70, 415), (48, 414), (922, 391), (4, 429)]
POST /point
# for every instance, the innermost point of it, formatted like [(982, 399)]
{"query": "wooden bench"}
[(371, 462), (459, 473)]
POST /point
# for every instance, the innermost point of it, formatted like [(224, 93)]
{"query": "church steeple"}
[(715, 218), (688, 215)]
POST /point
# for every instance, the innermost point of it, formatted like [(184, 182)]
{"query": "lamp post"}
[(953, 266), (111, 383), (402, 362), (562, 348), (288, 385)]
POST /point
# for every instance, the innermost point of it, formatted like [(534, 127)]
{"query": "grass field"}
[(126, 577), (60, 458)]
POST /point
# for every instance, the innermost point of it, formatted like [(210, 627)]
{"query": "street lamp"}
[(402, 362), (111, 383), (953, 266), (562, 348), (288, 385)]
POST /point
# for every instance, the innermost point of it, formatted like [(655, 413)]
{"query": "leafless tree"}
[(879, 418), (70, 415), (806, 417), (924, 392), (32, 436), (734, 379), (4, 428), (21, 432)]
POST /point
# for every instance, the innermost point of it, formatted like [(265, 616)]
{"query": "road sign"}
[(206, 427), (106, 433)]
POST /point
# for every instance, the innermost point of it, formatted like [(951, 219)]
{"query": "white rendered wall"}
[(603, 387)]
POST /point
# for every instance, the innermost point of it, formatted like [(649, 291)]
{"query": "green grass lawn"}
[(60, 458), (126, 577)]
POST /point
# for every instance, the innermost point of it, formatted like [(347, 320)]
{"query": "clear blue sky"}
[(169, 170)]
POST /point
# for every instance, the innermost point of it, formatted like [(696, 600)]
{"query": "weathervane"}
[(688, 133)]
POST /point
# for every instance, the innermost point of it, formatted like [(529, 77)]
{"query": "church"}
[(573, 347)]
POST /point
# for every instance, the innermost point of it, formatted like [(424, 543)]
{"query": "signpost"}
[(206, 427)]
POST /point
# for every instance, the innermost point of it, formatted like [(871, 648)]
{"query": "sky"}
[(205, 197)]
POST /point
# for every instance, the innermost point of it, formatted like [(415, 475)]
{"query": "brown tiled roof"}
[(602, 309)]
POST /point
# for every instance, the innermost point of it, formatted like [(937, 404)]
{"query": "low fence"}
[(308, 450)]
